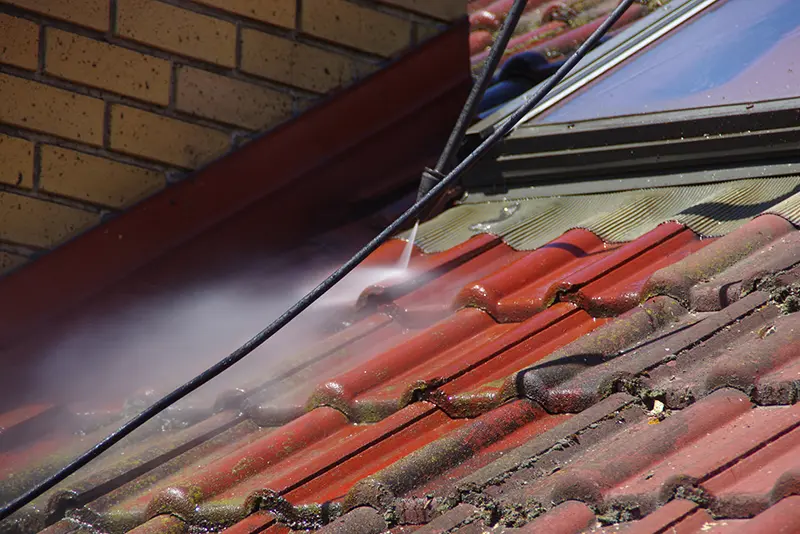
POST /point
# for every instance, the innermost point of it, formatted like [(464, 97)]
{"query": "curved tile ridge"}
[(625, 467), (551, 381), (768, 266), (690, 362), (162, 524), (528, 223), (650, 461), (682, 359), (678, 279), (569, 517), (339, 392), (527, 285), (362, 520), (750, 346), (483, 450), (381, 490)]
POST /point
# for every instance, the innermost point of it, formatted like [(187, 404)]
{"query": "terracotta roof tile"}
[(551, 28), (536, 376)]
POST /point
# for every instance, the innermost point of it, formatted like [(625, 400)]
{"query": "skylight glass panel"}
[(737, 51)]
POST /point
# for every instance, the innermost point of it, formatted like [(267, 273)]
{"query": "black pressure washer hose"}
[(430, 177), (435, 189)]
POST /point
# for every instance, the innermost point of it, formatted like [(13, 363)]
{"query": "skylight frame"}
[(607, 56), (651, 144)]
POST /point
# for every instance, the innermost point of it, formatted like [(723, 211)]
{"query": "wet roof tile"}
[(576, 385)]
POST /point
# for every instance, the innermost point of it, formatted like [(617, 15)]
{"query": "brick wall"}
[(105, 102)]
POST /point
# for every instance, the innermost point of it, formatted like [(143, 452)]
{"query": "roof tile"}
[(580, 376), (677, 279), (570, 517)]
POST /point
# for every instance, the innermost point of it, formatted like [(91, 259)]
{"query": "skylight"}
[(737, 51)]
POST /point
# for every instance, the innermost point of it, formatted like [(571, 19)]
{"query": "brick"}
[(226, 100), (16, 161), (10, 261), (294, 63), (160, 138), (38, 223), (116, 69), (177, 30), (39, 107), (439, 9), (19, 42), (95, 179), (90, 13), (356, 26), (278, 12)]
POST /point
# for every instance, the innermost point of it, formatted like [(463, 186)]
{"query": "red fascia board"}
[(297, 152)]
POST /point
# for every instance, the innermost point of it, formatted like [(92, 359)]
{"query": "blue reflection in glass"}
[(740, 51)]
